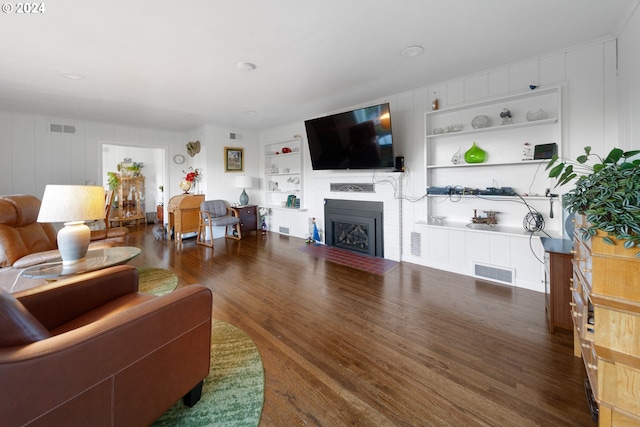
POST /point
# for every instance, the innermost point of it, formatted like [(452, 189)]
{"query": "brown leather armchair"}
[(25, 242), (92, 350)]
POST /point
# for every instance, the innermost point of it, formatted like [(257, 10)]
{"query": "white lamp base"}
[(73, 242)]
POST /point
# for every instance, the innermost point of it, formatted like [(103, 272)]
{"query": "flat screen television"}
[(358, 139)]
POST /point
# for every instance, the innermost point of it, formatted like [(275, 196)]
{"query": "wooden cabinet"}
[(606, 316), (248, 218), (558, 279), (130, 201)]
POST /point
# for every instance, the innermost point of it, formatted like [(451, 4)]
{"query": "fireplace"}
[(354, 225)]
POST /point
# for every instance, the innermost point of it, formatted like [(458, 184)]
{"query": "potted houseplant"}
[(606, 192)]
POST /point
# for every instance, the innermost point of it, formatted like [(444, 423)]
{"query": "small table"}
[(248, 215), (96, 259)]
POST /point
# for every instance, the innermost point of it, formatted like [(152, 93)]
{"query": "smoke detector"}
[(246, 66)]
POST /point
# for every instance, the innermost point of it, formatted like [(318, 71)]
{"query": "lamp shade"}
[(244, 181), (64, 203)]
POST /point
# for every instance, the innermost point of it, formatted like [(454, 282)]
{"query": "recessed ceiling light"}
[(251, 113), (412, 51), (246, 66)]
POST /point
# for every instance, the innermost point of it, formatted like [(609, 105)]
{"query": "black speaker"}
[(400, 164)]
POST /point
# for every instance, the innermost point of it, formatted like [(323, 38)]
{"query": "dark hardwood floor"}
[(413, 347)]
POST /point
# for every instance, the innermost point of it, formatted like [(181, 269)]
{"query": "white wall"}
[(32, 157), (590, 114), (629, 84)]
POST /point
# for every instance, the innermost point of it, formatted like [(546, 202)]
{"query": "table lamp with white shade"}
[(244, 182), (73, 205)]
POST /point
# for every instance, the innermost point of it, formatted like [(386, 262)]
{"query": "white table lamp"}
[(244, 182), (73, 205)]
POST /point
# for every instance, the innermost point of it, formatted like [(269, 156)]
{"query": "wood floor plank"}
[(413, 347)]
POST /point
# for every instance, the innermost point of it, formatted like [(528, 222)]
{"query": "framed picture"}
[(233, 159)]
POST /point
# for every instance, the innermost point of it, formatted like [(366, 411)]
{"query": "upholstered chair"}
[(92, 350), (216, 213)]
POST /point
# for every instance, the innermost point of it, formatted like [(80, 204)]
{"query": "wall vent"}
[(61, 128), (416, 244), (495, 273), (284, 230), (365, 187)]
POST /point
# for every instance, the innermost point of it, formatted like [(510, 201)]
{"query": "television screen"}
[(358, 139)]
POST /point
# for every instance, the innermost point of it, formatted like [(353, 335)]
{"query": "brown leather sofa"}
[(92, 350), (25, 242)]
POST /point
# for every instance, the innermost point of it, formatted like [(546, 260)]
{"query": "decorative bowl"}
[(480, 122), (438, 131), (455, 128), (538, 114)]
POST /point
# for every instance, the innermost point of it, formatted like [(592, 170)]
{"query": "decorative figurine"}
[(435, 104), (527, 152), (456, 159), (505, 115)]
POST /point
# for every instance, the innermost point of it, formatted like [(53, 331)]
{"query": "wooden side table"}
[(558, 276), (248, 215)]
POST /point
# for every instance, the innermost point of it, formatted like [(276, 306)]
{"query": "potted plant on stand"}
[(606, 193)]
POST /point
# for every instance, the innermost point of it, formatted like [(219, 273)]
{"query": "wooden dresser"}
[(184, 215), (606, 314)]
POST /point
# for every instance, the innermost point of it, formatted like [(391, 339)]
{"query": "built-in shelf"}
[(283, 172), (499, 128), (493, 164), (284, 208), (480, 228), (491, 196), (506, 146)]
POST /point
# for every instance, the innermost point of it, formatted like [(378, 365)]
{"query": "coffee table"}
[(96, 259)]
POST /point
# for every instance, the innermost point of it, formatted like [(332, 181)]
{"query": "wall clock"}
[(178, 159)]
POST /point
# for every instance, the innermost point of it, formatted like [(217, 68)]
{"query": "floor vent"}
[(495, 273), (60, 128), (284, 230), (364, 187), (416, 245)]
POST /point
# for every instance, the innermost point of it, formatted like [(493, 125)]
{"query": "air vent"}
[(61, 128), (416, 244), (494, 273), (284, 230), (365, 187)]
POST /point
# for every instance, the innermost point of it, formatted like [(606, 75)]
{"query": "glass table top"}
[(96, 259)]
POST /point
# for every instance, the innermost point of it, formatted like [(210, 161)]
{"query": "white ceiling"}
[(172, 64)]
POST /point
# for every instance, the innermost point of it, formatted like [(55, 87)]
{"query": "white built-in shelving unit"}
[(454, 242), (283, 173)]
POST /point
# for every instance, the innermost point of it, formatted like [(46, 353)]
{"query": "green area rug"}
[(233, 393), (157, 281)]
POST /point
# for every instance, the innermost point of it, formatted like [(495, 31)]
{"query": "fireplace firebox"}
[(354, 225)]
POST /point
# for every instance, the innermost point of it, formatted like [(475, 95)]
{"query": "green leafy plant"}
[(113, 181), (606, 191)]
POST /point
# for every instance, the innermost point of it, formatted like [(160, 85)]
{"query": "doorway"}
[(153, 160)]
